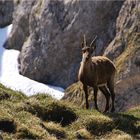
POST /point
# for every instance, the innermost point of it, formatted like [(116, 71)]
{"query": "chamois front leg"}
[(86, 95), (111, 89), (95, 88)]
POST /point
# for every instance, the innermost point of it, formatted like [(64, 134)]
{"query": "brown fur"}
[(97, 72)]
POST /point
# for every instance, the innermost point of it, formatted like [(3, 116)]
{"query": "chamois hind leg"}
[(107, 96), (95, 97), (111, 89), (86, 95)]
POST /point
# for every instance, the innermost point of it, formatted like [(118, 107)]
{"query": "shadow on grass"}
[(7, 125), (126, 122), (53, 111)]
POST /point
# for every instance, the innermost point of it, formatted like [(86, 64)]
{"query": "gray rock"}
[(20, 29), (52, 52), (124, 50), (129, 96), (127, 24), (6, 12)]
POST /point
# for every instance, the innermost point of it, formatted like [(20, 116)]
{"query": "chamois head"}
[(87, 50)]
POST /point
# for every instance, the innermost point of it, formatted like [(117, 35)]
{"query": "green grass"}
[(55, 129), (8, 94), (41, 117)]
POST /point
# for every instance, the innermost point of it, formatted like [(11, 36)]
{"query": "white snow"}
[(10, 77)]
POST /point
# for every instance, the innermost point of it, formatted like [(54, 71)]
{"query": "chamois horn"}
[(84, 40), (93, 40)]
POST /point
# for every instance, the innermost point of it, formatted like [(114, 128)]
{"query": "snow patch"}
[(10, 77)]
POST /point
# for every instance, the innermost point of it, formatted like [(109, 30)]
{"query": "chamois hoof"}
[(106, 111)]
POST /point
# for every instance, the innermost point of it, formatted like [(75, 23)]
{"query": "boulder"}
[(52, 32), (6, 12), (20, 29)]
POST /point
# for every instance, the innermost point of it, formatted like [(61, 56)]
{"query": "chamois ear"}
[(93, 41), (84, 41)]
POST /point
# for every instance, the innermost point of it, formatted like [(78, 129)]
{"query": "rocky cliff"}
[(6, 12), (124, 49), (49, 35)]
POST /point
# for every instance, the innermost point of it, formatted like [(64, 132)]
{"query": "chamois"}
[(97, 72)]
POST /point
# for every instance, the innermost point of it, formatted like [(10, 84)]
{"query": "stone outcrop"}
[(124, 49), (20, 30), (6, 12), (49, 35)]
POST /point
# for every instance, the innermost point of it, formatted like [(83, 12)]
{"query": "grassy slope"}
[(41, 117)]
